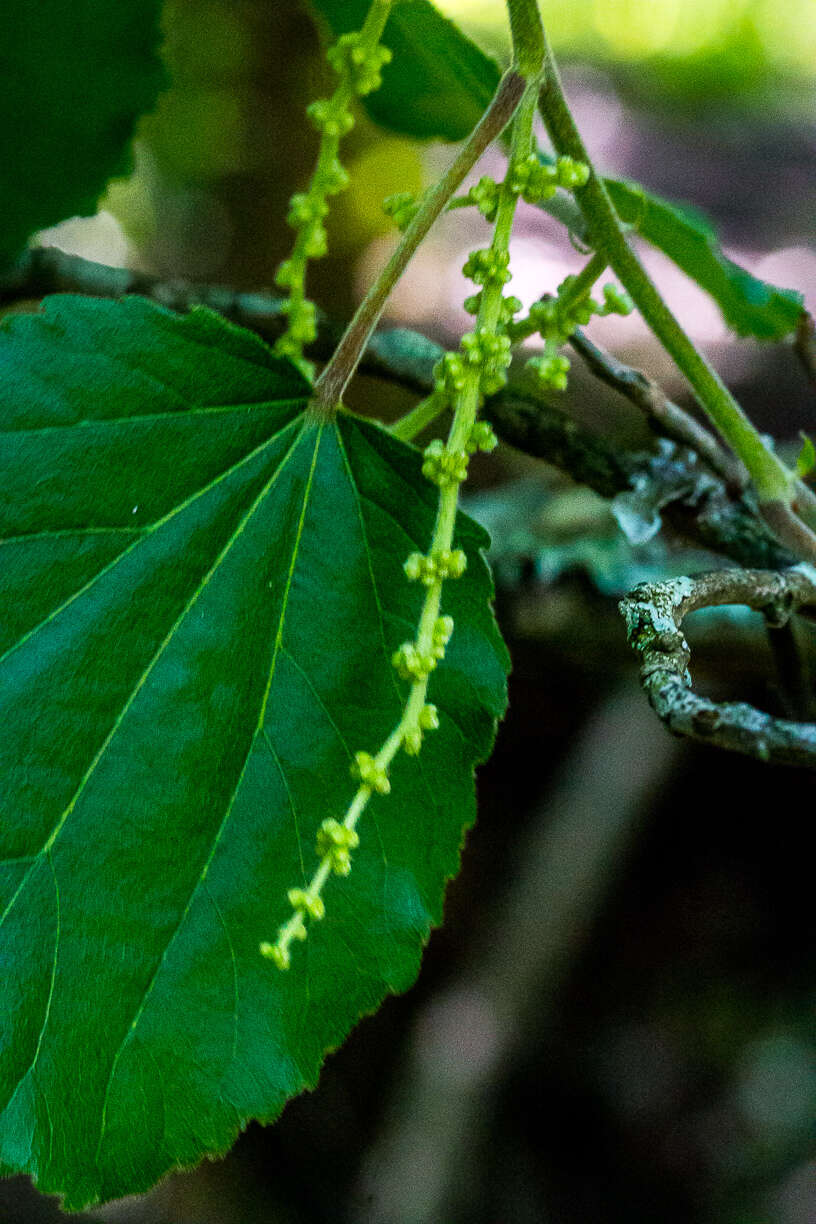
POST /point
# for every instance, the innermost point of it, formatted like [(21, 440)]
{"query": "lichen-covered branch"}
[(654, 615)]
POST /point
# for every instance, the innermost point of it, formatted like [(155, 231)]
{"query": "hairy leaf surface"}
[(750, 307), (76, 76), (439, 82), (200, 590)]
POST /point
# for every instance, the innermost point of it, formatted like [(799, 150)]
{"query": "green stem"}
[(529, 47), (771, 477), (419, 418), (333, 381)]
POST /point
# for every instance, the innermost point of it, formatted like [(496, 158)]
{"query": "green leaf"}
[(201, 589), (75, 79), (438, 83), (806, 460), (750, 307)]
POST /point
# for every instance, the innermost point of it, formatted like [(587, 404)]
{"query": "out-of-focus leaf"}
[(438, 83), (806, 460), (750, 306), (75, 78)]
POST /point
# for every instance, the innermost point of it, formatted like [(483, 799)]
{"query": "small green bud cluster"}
[(302, 328), (444, 467), (481, 438), (485, 195), (366, 769), (490, 353), (307, 903), (486, 267), (551, 369), (335, 841), (616, 301), (331, 117), (428, 720), (401, 207), (556, 318), (411, 663), (479, 350), (510, 306), (436, 567), (361, 65), (535, 181), (279, 954)]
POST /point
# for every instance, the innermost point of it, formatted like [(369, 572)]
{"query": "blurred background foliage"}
[(616, 1023)]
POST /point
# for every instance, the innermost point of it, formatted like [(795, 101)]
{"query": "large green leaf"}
[(201, 589), (76, 76), (439, 82), (750, 306)]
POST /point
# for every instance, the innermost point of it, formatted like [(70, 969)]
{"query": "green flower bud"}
[(402, 207), (334, 842), (551, 369), (482, 438), (442, 466), (286, 274), (410, 663), (429, 718), (412, 741), (360, 64), (315, 241), (307, 903), (334, 178), (487, 266), (305, 210), (571, 173), (370, 773), (329, 118), (275, 953), (616, 301), (510, 306), (485, 195), (442, 633)]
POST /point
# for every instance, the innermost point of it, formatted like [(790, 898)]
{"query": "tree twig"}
[(654, 615), (667, 419)]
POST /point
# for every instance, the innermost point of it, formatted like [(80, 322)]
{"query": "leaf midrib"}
[(258, 728), (48, 845)]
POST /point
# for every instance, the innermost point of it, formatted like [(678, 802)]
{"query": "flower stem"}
[(771, 477), (333, 381), (528, 36), (417, 660)]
